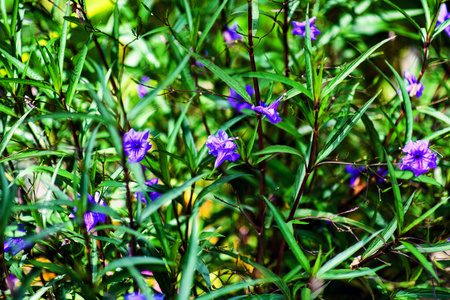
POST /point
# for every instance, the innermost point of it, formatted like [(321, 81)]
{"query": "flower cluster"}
[(270, 111), (91, 218), (135, 144), (300, 28), (236, 100), (16, 244), (230, 34), (419, 158), (222, 147), (442, 17), (152, 195)]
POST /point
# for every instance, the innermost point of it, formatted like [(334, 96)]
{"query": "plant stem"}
[(262, 165)]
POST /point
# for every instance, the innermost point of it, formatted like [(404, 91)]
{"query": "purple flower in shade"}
[(222, 147), (419, 158), (139, 296), (16, 244), (230, 34), (354, 173), (142, 90), (413, 88), (91, 218), (442, 17), (381, 174), (236, 100), (199, 64), (270, 111), (152, 195), (300, 28), (136, 145)]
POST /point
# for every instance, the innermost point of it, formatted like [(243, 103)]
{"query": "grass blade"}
[(351, 67), (288, 234)]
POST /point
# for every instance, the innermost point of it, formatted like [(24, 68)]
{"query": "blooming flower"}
[(442, 17), (91, 218), (354, 173), (136, 145), (236, 100), (16, 244), (152, 195), (139, 296), (271, 111), (300, 28), (230, 34), (222, 147), (413, 88), (142, 90), (419, 158)]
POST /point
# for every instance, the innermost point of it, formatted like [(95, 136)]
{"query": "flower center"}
[(418, 155), (136, 145)]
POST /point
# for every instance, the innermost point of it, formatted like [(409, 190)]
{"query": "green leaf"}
[(63, 41), (409, 175), (279, 149), (414, 23), (231, 288), (10, 132), (75, 78), (30, 82), (210, 24), (288, 234), (340, 135), (335, 261), (277, 78), (255, 17), (131, 261), (20, 65), (440, 28), (176, 128), (187, 276), (407, 103), (339, 274), (251, 142), (399, 215), (351, 67), (424, 293), (434, 113), (172, 75), (422, 259), (424, 248), (216, 184), (231, 82), (166, 197), (424, 216)]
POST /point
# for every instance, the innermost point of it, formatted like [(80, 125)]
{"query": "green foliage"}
[(316, 206)]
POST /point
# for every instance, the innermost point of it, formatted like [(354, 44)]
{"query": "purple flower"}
[(136, 145), (142, 90), (91, 218), (381, 174), (222, 147), (236, 100), (300, 28), (230, 34), (139, 296), (271, 111), (419, 158), (354, 173), (442, 17), (16, 244), (413, 88), (152, 195)]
